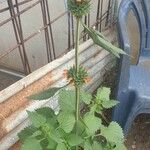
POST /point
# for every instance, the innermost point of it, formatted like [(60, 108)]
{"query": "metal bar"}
[(22, 39), (21, 12), (109, 8), (18, 36), (49, 57), (31, 36), (47, 28), (50, 28), (72, 23), (69, 31), (98, 11), (101, 13), (19, 3)]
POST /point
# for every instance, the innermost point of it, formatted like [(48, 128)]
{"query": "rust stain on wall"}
[(19, 100)]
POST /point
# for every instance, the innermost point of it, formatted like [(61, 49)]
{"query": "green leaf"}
[(109, 104), (86, 97), (92, 122), (51, 144), (97, 146), (66, 121), (74, 140), (88, 145), (45, 94), (55, 136), (61, 146), (101, 41), (103, 93), (26, 132), (113, 133), (49, 114), (31, 144), (120, 146), (36, 119), (67, 100)]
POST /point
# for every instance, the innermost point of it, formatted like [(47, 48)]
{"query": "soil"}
[(139, 135)]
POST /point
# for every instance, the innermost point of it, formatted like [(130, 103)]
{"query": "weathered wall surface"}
[(14, 102)]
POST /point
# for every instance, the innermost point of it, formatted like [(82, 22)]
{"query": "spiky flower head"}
[(79, 8)]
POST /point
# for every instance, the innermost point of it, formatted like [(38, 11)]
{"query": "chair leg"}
[(122, 111), (139, 108)]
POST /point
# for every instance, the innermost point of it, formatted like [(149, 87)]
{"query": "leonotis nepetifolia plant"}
[(70, 129)]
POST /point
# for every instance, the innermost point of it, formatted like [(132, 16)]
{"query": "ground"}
[(139, 135)]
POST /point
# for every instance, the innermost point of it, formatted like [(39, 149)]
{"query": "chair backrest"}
[(141, 9)]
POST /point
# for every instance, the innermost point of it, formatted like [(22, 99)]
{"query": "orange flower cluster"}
[(87, 80), (71, 80)]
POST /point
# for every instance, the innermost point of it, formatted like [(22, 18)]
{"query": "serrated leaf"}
[(113, 133), (67, 100), (120, 146), (36, 119), (92, 122), (88, 145), (26, 132), (66, 121), (74, 140), (61, 146), (55, 136), (81, 127), (103, 93), (45, 94), (97, 146), (86, 97), (51, 144), (31, 144), (109, 104), (49, 114), (101, 41)]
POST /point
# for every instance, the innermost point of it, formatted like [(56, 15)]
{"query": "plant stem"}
[(77, 88)]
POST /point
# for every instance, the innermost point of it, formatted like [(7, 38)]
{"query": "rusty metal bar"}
[(19, 3), (50, 28), (22, 40), (69, 30), (19, 37), (21, 12), (72, 23), (31, 36), (47, 40)]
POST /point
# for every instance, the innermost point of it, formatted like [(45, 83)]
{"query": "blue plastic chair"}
[(134, 82)]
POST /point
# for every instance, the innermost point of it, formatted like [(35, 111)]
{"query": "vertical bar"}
[(47, 40), (108, 13), (85, 21), (19, 37), (101, 14), (98, 12), (72, 23), (50, 28), (69, 31)]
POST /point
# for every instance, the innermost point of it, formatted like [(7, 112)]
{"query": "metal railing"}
[(102, 19)]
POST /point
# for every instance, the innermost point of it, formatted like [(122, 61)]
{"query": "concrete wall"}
[(31, 22)]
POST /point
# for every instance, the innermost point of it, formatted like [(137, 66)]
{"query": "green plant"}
[(70, 129)]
